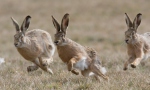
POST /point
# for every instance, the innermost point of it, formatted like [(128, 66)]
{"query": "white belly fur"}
[(81, 64)]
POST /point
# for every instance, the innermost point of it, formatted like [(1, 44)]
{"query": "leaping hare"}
[(138, 45), (34, 45), (73, 54)]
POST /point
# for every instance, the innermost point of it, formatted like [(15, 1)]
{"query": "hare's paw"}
[(135, 63), (133, 66), (32, 68), (75, 72), (49, 71), (125, 68)]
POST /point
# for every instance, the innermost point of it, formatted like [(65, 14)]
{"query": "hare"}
[(73, 54), (138, 45), (34, 45)]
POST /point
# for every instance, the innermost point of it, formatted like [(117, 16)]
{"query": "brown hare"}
[(34, 45), (74, 55), (138, 45)]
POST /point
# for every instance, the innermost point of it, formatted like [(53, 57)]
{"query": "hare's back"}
[(147, 36), (39, 34), (36, 32), (41, 38)]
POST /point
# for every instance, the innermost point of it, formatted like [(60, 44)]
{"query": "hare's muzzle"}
[(16, 44), (56, 42), (126, 41)]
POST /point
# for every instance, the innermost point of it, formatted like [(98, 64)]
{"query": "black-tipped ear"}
[(56, 24), (15, 23), (65, 22), (128, 21), (137, 21), (25, 24)]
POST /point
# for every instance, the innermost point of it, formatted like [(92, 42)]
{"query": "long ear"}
[(25, 24), (65, 22), (56, 24), (15, 23), (137, 21), (128, 21)]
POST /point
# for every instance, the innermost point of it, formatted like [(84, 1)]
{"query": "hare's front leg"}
[(136, 62), (130, 60), (45, 65), (70, 66), (139, 57)]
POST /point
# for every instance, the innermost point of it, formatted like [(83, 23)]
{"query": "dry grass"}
[(102, 25)]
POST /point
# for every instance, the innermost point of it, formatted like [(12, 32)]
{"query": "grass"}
[(96, 23)]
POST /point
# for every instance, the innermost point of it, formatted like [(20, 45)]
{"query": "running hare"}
[(138, 45), (73, 54), (34, 45)]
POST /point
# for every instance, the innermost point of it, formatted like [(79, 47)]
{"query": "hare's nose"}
[(126, 41), (15, 44), (56, 42)]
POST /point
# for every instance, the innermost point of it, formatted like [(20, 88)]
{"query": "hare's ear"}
[(128, 21), (65, 22), (137, 21), (25, 24), (56, 24), (15, 23)]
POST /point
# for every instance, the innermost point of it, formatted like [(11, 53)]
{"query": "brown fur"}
[(138, 45), (34, 45), (71, 49), (73, 54)]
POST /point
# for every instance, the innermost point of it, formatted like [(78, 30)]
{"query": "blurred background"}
[(99, 24)]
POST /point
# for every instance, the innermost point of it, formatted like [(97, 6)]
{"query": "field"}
[(99, 24)]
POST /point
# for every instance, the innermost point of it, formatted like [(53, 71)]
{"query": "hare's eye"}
[(21, 37), (16, 36)]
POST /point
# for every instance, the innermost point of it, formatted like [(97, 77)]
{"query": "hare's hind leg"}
[(96, 70), (44, 65), (35, 66), (32, 68), (88, 73), (75, 72)]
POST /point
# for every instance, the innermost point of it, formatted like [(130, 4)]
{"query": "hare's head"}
[(131, 33), (61, 30), (19, 37)]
